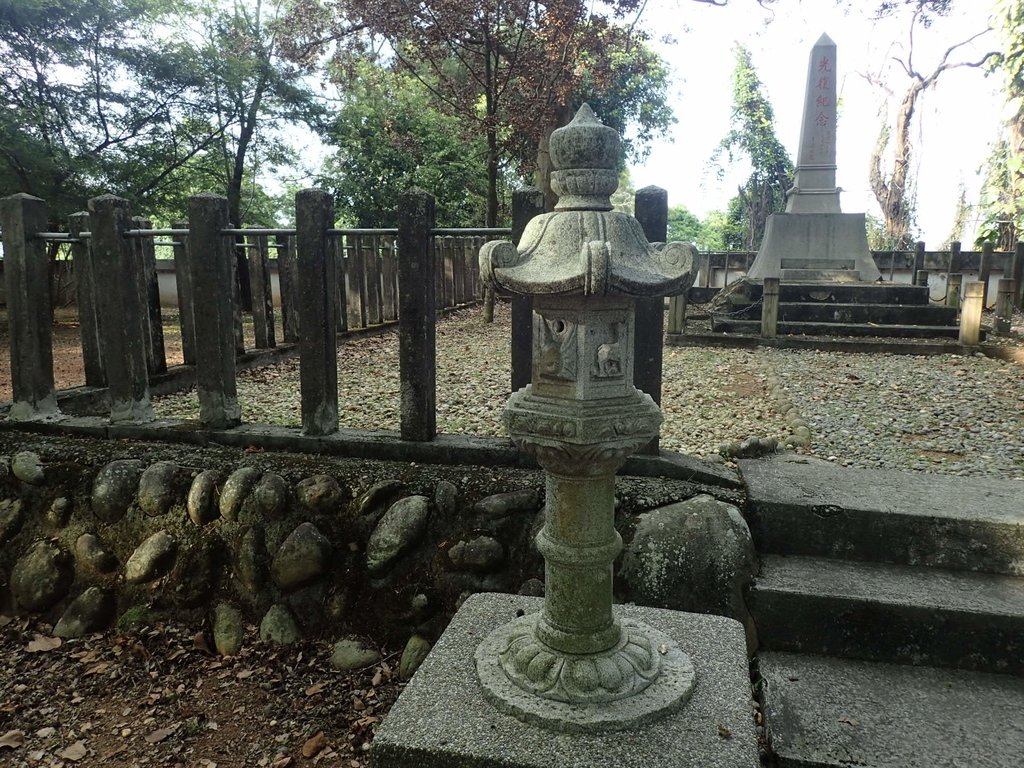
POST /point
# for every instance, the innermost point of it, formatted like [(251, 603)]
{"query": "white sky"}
[(958, 118)]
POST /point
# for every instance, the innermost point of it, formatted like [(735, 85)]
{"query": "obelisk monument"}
[(813, 240)]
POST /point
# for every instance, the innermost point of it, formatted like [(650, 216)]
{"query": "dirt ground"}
[(157, 696)]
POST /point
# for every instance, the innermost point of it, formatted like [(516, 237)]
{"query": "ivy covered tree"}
[(752, 139)]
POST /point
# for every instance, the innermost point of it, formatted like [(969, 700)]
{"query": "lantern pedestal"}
[(445, 720)]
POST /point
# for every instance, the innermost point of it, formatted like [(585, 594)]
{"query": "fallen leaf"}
[(42, 643), (378, 678), (12, 739), (281, 762), (176, 653), (848, 720), (313, 690), (5, 620), (98, 669), (200, 643), (357, 704), (45, 733), (74, 753), (159, 735), (724, 732), (314, 745), (245, 673)]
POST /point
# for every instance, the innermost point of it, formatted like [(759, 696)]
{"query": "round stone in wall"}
[(91, 611), (401, 527), (113, 490), (278, 627), (269, 497), (479, 554), (11, 519), (202, 501), (153, 559), (94, 554), (28, 467), (302, 557), (319, 493), (41, 577), (351, 653), (236, 490), (228, 629), (161, 486)]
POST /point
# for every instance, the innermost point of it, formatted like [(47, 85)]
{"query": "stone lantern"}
[(575, 666)]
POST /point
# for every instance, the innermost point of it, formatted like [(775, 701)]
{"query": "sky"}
[(959, 117)]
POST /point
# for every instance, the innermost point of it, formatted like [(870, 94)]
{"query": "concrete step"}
[(882, 314), (824, 712), (849, 293), (811, 507), (892, 613), (722, 324)]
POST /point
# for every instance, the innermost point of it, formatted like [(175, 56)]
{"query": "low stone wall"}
[(101, 533)]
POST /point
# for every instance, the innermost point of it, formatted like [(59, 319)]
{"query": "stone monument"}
[(516, 681), (813, 240)]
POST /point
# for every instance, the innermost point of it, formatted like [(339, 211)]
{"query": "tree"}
[(389, 138), (683, 226), (1002, 198), (87, 102), (752, 138), (508, 68), (892, 186)]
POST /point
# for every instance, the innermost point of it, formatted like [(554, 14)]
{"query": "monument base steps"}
[(890, 615), (843, 309), (442, 719), (819, 275)]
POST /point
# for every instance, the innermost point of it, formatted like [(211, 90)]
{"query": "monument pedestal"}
[(813, 247), (443, 720)]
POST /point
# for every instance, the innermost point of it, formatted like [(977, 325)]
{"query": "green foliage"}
[(389, 137), (683, 226), (752, 139)]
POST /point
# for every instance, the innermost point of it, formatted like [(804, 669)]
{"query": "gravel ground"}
[(949, 414)]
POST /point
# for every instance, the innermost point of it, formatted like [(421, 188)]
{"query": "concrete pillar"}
[(1004, 306), (145, 250), (30, 323), (919, 261), (650, 206), (211, 262), (87, 291), (526, 203), (970, 315), (985, 270), (770, 308), (262, 293), (318, 328), (954, 286), (120, 311), (186, 304), (288, 281), (955, 264), (921, 277), (677, 313), (417, 352)]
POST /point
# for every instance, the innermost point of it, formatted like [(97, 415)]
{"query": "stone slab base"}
[(824, 238), (443, 721)]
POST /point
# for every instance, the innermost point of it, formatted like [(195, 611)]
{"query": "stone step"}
[(825, 712), (883, 314), (849, 293), (892, 613), (815, 508), (730, 324), (819, 274)]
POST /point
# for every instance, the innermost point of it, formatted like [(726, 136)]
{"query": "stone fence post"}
[(954, 265), (417, 316), (183, 284), (87, 293), (770, 308), (27, 279), (1017, 272), (970, 315), (149, 293), (211, 263), (985, 270), (120, 311), (919, 260), (261, 291), (1004, 306), (650, 206), (288, 280), (954, 285), (318, 328), (526, 203)]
